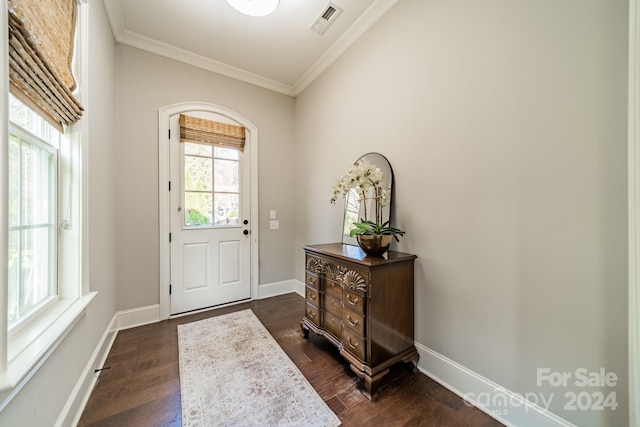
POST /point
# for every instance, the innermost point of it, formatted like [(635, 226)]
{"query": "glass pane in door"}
[(211, 188)]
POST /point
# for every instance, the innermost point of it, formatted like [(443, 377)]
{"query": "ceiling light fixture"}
[(254, 7)]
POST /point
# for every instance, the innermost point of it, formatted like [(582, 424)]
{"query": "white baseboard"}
[(279, 288), (299, 288), (510, 408), (138, 316), (72, 411), (151, 313)]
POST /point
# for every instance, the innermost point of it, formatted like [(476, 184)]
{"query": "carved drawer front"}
[(312, 296), (333, 288), (354, 302), (333, 325), (312, 280), (313, 314), (353, 321), (353, 344), (333, 306), (355, 281)]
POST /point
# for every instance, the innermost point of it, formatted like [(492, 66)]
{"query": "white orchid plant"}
[(366, 180)]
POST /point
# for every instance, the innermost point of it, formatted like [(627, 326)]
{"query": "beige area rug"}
[(233, 373)]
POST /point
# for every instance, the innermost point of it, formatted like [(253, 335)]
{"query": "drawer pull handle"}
[(352, 345), (312, 297), (311, 280), (312, 314), (351, 322), (351, 301)]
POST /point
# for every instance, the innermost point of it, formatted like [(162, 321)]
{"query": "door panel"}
[(210, 252), (195, 257), (229, 262)]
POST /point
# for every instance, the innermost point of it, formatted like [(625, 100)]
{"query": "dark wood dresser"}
[(363, 305)]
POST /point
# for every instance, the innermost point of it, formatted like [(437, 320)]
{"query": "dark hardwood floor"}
[(141, 385)]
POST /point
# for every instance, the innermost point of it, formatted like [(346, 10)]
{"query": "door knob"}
[(245, 222), (245, 232)]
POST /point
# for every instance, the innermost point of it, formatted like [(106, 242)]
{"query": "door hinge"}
[(169, 133), (169, 237), (169, 185), (169, 289)]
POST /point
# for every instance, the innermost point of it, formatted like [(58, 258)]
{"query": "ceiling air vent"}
[(329, 14)]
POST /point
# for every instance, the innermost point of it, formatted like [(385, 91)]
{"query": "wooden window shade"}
[(209, 132), (41, 37)]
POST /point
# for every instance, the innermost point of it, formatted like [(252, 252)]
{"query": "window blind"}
[(210, 132), (41, 38)]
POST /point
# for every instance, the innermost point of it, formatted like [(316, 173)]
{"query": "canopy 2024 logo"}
[(587, 400)]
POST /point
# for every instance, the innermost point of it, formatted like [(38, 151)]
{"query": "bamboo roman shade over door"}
[(210, 132), (41, 37)]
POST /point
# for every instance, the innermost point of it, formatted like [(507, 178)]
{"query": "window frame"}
[(22, 354), (46, 304)]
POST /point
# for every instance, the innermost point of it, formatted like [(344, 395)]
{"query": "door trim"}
[(164, 205)]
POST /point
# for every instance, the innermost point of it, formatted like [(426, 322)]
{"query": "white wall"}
[(43, 398), (505, 123), (146, 83)]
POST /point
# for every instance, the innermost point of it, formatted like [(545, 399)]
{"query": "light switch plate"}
[(272, 214), (274, 224)]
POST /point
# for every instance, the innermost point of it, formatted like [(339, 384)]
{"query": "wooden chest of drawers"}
[(363, 305)]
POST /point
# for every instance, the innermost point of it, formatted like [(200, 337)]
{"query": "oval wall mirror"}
[(354, 209)]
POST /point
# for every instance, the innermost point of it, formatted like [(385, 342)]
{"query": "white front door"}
[(210, 230)]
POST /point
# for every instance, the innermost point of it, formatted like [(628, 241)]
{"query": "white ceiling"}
[(278, 52)]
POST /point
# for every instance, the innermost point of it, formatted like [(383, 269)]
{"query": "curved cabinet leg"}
[(369, 382), (304, 331), (413, 359)]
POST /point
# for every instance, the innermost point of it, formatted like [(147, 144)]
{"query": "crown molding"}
[(367, 20), (163, 49), (372, 15)]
